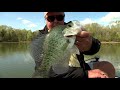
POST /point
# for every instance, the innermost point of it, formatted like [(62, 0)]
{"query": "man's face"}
[(53, 19)]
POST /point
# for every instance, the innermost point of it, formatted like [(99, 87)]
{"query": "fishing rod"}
[(94, 59)]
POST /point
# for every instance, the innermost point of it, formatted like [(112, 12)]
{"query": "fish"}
[(53, 50)]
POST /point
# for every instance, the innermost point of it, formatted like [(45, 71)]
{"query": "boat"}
[(105, 66)]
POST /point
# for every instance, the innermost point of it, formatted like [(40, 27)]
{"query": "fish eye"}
[(70, 22), (69, 25)]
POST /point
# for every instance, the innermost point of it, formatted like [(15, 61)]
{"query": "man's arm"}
[(94, 48)]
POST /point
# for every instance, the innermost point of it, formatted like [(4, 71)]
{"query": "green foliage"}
[(108, 33), (9, 34)]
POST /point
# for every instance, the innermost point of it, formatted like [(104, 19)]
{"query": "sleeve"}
[(73, 72), (94, 48)]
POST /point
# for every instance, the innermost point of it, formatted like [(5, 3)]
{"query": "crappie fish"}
[(55, 48)]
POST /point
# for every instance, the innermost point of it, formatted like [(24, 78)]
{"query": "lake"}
[(16, 61)]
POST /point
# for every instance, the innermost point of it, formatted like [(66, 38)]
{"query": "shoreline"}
[(103, 42), (17, 42), (110, 42)]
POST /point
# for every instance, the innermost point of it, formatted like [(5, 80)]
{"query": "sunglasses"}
[(57, 17)]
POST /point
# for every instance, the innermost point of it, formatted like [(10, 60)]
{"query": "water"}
[(16, 62)]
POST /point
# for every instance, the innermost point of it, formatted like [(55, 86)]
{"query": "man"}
[(84, 41)]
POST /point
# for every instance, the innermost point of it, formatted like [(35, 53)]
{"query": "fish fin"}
[(36, 48), (75, 50), (71, 41)]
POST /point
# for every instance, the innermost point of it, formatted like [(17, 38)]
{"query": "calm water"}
[(16, 62)]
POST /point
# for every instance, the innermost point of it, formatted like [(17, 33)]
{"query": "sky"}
[(35, 20)]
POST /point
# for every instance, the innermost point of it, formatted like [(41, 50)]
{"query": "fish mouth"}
[(68, 35)]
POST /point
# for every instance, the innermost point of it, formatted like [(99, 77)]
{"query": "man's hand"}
[(97, 73), (83, 41)]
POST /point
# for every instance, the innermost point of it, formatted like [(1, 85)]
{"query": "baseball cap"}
[(45, 13)]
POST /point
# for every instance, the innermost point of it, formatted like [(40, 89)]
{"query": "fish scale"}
[(53, 50)]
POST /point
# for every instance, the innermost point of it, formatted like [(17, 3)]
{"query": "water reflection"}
[(16, 62), (9, 48)]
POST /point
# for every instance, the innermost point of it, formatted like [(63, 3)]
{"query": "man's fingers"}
[(83, 34), (104, 74)]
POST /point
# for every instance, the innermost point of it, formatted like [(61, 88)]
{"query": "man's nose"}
[(55, 20)]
